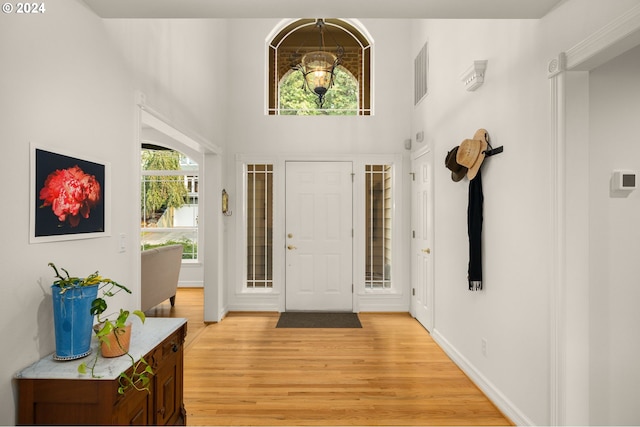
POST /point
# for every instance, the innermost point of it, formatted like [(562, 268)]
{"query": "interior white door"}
[(319, 236), (422, 300)]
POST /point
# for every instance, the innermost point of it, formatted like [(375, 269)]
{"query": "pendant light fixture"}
[(318, 66)]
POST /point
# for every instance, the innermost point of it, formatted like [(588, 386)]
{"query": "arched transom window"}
[(350, 93)]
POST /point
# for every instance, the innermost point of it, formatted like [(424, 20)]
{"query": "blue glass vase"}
[(73, 321)]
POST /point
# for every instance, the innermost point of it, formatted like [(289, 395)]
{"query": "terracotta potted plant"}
[(114, 335)]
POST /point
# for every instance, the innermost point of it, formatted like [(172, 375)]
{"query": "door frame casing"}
[(209, 157), (241, 299), (430, 286)]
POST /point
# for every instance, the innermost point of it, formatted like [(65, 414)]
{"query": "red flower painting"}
[(71, 193)]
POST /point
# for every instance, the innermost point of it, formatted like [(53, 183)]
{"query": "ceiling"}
[(435, 9)]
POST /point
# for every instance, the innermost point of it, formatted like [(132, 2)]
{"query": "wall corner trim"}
[(608, 42), (151, 116)]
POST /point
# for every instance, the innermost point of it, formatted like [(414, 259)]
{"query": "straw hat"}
[(471, 153), (457, 171)]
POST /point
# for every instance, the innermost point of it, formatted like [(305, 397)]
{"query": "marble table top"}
[(144, 337)]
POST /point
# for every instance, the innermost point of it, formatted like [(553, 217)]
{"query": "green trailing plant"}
[(66, 283), (141, 370)]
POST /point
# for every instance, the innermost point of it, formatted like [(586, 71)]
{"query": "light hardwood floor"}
[(244, 371)]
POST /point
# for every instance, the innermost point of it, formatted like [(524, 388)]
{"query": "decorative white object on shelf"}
[(473, 77)]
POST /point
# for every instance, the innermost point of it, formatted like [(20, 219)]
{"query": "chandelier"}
[(318, 66)]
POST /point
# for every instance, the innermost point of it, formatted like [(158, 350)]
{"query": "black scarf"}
[(474, 224)]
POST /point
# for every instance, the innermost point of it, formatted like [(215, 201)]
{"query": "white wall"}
[(68, 81), (577, 403), (179, 65), (297, 137), (512, 313), (574, 20), (614, 242), (180, 68), (251, 131), (63, 86)]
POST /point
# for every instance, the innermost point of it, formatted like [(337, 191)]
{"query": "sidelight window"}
[(259, 181), (378, 221)]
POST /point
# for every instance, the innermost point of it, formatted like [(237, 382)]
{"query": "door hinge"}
[(352, 288), (413, 176), (352, 176), (352, 233), (413, 291), (413, 233)]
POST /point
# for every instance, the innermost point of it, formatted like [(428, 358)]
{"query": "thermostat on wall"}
[(623, 180)]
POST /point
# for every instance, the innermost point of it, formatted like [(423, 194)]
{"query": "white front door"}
[(422, 242), (319, 236)]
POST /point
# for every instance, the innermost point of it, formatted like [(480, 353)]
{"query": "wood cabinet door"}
[(135, 408), (168, 391)]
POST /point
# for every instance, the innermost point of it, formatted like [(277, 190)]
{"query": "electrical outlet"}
[(485, 347)]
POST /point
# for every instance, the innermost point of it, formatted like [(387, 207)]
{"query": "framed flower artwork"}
[(69, 197)]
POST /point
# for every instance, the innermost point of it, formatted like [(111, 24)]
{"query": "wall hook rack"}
[(492, 151)]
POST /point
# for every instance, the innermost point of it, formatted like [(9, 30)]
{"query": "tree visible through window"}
[(351, 92), (341, 99), (169, 201)]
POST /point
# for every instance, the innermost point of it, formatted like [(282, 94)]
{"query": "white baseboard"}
[(190, 284), (495, 395)]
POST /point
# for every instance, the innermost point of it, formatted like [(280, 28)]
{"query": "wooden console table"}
[(53, 392)]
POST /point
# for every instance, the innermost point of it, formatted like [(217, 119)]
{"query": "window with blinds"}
[(378, 226), (259, 226)]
